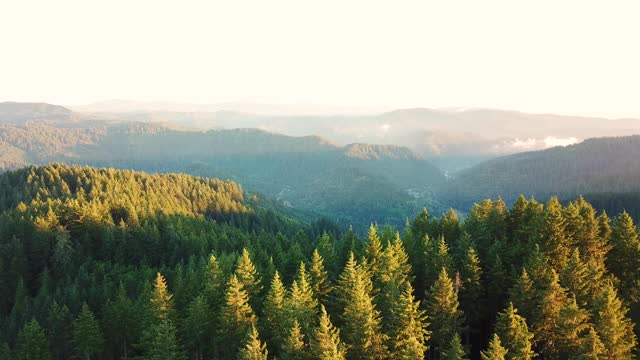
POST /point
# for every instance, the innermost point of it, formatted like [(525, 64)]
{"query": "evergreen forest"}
[(118, 264)]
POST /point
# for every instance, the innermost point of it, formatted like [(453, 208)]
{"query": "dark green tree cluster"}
[(189, 271)]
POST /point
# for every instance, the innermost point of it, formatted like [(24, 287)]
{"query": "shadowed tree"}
[(87, 336)]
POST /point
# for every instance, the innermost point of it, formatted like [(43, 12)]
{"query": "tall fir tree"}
[(443, 311), (523, 295), (555, 243), (122, 323), (319, 278), (394, 273), (87, 335), (471, 293), (612, 325), (605, 231), (362, 323), (213, 284), (294, 346), (592, 348), (275, 317), (514, 334), (301, 303), (253, 349), (495, 351), (326, 250), (161, 342), (573, 324), (437, 256), (455, 350), (546, 318), (373, 249), (409, 334), (32, 343), (197, 327), (249, 277), (59, 330), (576, 277), (238, 316), (624, 259), (161, 299), (325, 342)]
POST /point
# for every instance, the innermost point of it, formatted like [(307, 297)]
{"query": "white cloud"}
[(551, 141), (524, 143)]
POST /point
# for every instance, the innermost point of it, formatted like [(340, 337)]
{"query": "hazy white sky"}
[(579, 57)]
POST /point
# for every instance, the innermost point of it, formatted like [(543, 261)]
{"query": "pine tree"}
[(294, 347), (450, 226), (604, 225), (302, 304), (471, 292), (495, 350), (624, 258), (546, 319), (592, 242), (59, 330), (592, 348), (254, 349), (122, 323), (455, 351), (249, 278), (409, 333), (514, 334), (442, 308), (437, 257), (554, 242), (275, 316), (32, 343), (161, 300), (87, 336), (319, 278), (362, 323), (611, 324), (576, 278), (523, 296), (197, 327), (161, 343), (238, 316), (325, 343), (373, 249), (394, 273), (327, 252), (213, 284)]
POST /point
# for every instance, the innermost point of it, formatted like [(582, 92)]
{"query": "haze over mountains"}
[(453, 137), (350, 166)]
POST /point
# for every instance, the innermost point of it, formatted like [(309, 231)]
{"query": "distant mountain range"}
[(381, 167), (122, 106), (595, 166), (350, 183), (454, 138)]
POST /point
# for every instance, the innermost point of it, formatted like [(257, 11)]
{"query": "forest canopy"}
[(109, 264)]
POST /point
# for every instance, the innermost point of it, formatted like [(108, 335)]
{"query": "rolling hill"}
[(595, 166), (306, 173), (454, 138)]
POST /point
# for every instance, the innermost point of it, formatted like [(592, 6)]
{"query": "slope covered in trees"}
[(307, 173), (600, 165), (107, 264)]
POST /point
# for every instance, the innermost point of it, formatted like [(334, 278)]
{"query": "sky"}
[(568, 57)]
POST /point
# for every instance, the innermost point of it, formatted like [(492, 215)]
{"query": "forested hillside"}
[(600, 165), (110, 264), (19, 113), (306, 173)]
